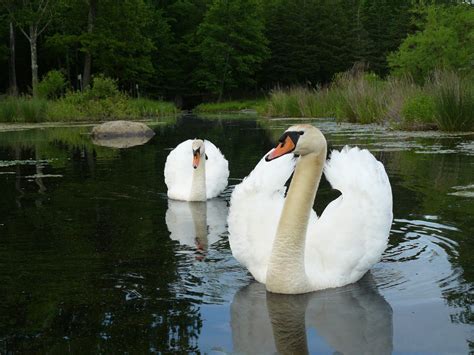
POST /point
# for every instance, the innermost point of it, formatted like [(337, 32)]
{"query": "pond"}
[(94, 258)]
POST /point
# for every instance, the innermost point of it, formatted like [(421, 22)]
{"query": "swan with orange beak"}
[(195, 170)]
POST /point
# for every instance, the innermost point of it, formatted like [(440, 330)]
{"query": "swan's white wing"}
[(217, 170), (179, 171), (255, 209), (352, 232)]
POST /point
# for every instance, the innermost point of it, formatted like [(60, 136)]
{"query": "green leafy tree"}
[(445, 42), (175, 60), (231, 45)]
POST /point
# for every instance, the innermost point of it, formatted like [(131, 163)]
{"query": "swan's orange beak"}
[(196, 158), (285, 147)]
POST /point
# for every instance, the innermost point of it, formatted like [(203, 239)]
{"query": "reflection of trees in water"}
[(421, 186), (90, 269)]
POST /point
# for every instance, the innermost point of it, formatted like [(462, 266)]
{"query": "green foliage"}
[(362, 97), (454, 101), (418, 111), (231, 45), (23, 109), (52, 85), (230, 106), (445, 42), (145, 108), (77, 106), (8, 109), (102, 88)]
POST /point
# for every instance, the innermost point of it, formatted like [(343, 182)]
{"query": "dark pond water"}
[(94, 258)]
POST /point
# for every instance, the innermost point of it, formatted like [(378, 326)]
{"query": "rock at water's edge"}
[(121, 134), (114, 129)]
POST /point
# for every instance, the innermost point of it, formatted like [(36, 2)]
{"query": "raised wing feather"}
[(352, 232)]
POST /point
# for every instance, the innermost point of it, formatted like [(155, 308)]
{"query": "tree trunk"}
[(34, 59), (12, 67), (221, 91), (86, 78)]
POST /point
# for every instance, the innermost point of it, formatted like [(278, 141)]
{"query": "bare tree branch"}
[(46, 25)]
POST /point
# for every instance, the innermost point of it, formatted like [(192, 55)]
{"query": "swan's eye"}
[(301, 133)]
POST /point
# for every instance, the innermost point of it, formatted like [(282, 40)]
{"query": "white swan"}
[(191, 177), (281, 240)]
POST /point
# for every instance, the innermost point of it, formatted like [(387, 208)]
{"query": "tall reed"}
[(23, 109), (454, 101)]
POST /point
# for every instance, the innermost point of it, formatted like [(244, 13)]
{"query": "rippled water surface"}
[(94, 258)]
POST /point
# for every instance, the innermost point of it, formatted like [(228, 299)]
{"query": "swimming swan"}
[(195, 170), (281, 240)]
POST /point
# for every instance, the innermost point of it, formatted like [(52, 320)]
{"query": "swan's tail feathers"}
[(354, 169)]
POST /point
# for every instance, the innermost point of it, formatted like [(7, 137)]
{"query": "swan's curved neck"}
[(286, 271), (198, 186)]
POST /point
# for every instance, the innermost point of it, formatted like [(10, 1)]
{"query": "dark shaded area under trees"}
[(200, 49)]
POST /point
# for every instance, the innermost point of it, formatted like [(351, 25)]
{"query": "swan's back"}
[(352, 232), (179, 171)]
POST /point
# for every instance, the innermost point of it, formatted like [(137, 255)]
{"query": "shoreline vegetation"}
[(102, 102), (445, 102)]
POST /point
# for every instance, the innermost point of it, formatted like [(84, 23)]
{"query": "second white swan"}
[(281, 240), (195, 170)]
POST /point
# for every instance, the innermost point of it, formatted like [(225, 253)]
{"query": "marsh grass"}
[(230, 106), (75, 107), (8, 109), (445, 103), (453, 101), (146, 108), (23, 109)]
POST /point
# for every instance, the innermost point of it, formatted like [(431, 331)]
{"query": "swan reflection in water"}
[(196, 224), (354, 319)]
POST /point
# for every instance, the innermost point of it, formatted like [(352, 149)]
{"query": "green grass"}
[(230, 106), (446, 103), (453, 101), (146, 108), (76, 107), (23, 109)]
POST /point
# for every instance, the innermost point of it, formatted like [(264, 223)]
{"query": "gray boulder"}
[(121, 134)]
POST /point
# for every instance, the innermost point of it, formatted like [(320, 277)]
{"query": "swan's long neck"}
[(286, 270), (198, 186)]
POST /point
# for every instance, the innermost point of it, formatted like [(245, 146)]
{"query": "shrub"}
[(52, 85), (102, 88), (418, 110)]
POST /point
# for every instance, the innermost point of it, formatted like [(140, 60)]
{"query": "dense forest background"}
[(213, 49)]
